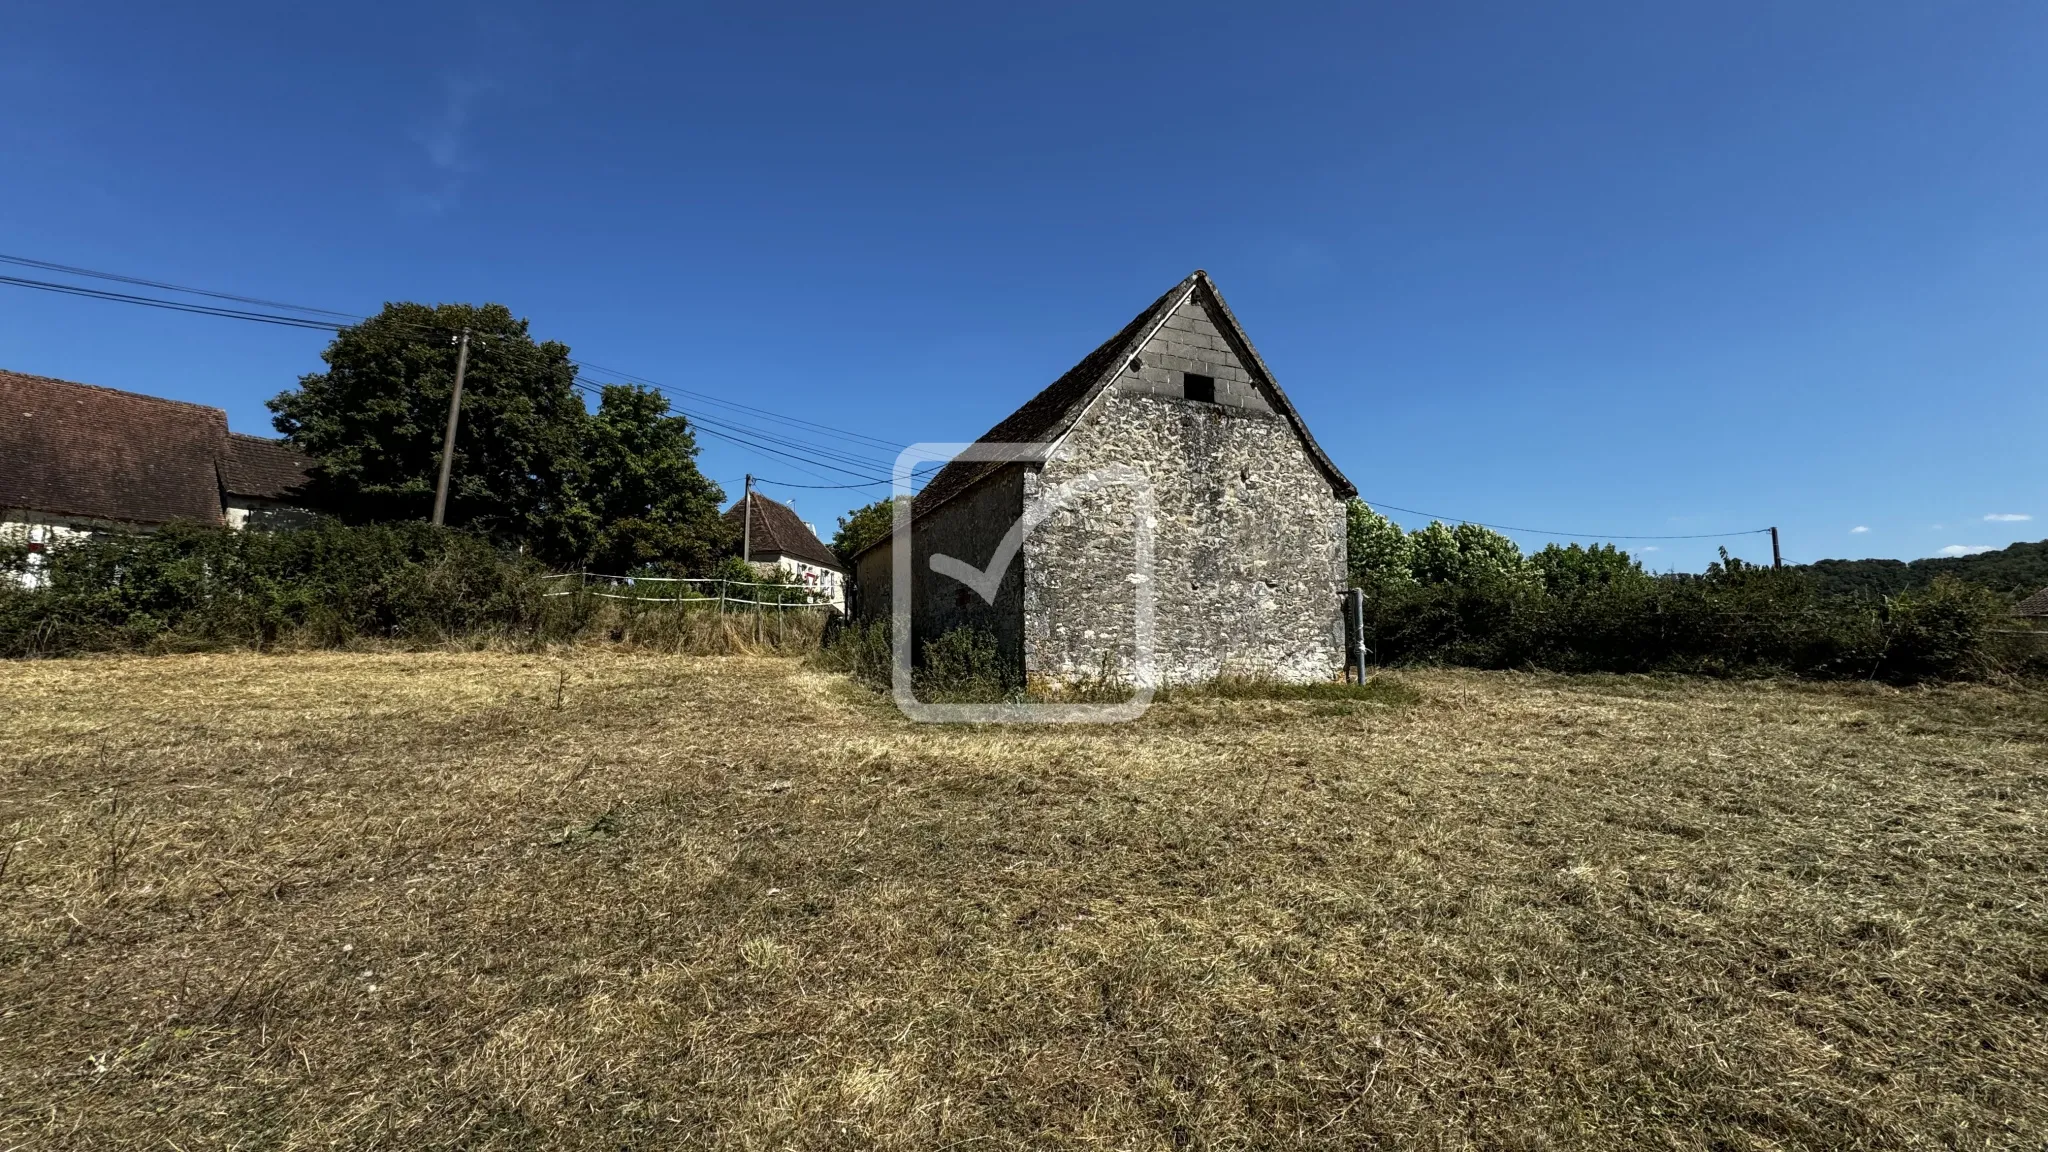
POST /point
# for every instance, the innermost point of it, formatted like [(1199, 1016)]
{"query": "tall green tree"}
[(373, 424), (1466, 554), (1576, 568), (652, 505), (862, 527), (1377, 552)]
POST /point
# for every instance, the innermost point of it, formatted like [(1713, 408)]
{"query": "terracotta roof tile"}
[(779, 530), (2035, 605), (261, 467), (80, 450)]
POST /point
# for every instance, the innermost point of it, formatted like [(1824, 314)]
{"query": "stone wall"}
[(969, 527), (1190, 342), (1248, 544)]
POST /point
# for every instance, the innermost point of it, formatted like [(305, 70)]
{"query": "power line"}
[(799, 452), (787, 442), (349, 319), (1567, 535), (171, 305), (73, 270), (737, 436), (800, 463), (667, 388), (339, 320), (758, 481), (817, 453)]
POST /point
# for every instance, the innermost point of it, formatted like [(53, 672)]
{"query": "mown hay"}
[(604, 899)]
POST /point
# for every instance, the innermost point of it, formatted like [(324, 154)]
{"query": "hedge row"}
[(1749, 622), (329, 585), (192, 587)]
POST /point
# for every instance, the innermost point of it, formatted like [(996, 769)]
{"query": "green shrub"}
[(1942, 632), (1591, 614), (189, 586), (862, 651), (964, 666)]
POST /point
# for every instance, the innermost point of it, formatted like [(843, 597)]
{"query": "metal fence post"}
[(1354, 635)]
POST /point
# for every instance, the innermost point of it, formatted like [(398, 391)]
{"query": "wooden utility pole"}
[(1777, 561), (747, 523), (448, 438)]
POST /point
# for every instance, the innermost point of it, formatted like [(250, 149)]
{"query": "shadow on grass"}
[(1379, 689), (965, 667)]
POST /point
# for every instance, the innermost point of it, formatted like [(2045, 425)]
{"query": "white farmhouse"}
[(782, 541), (77, 459)]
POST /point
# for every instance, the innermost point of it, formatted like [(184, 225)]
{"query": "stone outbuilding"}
[(1164, 484)]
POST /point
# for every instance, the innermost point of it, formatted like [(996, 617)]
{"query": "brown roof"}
[(80, 450), (261, 467), (1049, 414), (778, 530), (2035, 605)]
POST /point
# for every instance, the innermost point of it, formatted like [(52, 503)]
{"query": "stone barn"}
[(1166, 469)]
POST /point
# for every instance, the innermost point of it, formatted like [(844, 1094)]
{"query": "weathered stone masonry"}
[(970, 527), (1247, 548), (1246, 518)]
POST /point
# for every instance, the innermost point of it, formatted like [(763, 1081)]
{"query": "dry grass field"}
[(596, 899)]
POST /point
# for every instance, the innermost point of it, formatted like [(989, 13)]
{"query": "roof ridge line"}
[(1131, 348), (115, 391)]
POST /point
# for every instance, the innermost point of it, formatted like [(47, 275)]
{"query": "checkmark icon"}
[(986, 583)]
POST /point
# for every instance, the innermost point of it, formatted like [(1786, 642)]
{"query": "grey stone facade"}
[(971, 527), (1243, 515), (1247, 548)]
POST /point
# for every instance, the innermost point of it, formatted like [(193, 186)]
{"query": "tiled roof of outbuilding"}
[(261, 467), (779, 530), (85, 451), (2035, 605)]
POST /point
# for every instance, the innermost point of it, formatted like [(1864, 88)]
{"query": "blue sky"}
[(1612, 269)]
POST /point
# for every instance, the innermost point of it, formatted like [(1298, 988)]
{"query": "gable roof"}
[(2035, 605), (779, 530), (1048, 415), (261, 467), (81, 450)]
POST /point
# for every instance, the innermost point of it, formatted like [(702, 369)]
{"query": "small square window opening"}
[(1199, 387)]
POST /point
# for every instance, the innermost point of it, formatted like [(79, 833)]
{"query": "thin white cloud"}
[(2001, 517), (1967, 549), (1859, 529), (443, 135), (1650, 548), (443, 140)]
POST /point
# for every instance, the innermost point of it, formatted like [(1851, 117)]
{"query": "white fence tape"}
[(720, 599)]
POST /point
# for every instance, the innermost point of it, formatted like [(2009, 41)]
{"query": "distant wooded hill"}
[(2013, 572)]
